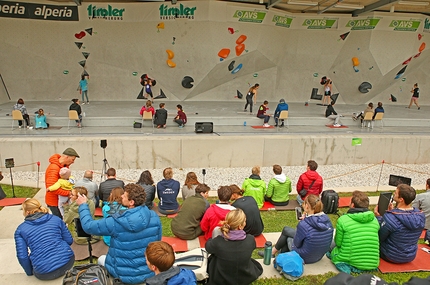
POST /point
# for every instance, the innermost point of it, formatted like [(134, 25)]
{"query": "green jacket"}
[(71, 212), (186, 225), (255, 188), (357, 240), (279, 188)]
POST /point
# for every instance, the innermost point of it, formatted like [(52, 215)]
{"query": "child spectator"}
[(66, 182), (41, 120), (181, 118), (230, 262), (160, 117), (186, 225), (160, 259), (216, 212), (148, 108), (189, 187), (113, 207)]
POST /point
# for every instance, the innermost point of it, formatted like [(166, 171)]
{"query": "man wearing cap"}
[(282, 106), (52, 174)]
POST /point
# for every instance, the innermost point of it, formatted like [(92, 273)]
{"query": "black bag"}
[(304, 191), (427, 237), (330, 200), (93, 274), (137, 125)]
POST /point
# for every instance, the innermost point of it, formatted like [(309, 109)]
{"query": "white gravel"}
[(335, 176)]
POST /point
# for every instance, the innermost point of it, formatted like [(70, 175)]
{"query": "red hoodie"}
[(52, 174), (213, 216), (305, 181)]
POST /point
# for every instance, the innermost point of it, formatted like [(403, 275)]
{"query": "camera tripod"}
[(106, 165)]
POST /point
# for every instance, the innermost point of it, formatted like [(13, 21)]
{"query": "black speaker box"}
[(204, 127)]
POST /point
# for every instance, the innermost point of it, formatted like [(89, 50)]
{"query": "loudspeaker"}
[(204, 127), (9, 163), (103, 143)]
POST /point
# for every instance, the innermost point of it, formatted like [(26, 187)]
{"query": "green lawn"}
[(20, 191)]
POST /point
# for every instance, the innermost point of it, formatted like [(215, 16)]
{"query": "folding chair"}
[(73, 115), (16, 116), (147, 116), (368, 119), (379, 117), (284, 117)]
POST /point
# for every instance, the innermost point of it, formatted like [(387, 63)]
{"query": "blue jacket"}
[(130, 232), (313, 237), (49, 242), (279, 108), (399, 234), (173, 276), (110, 209), (167, 191)]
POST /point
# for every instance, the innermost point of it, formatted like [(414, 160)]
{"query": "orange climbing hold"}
[(224, 53), (422, 47), (355, 61), (240, 39), (239, 49), (170, 54), (171, 63)]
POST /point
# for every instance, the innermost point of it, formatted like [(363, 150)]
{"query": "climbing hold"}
[(422, 47), (239, 49), (364, 87), (89, 31), (170, 63), (356, 69), (80, 35), (160, 25), (240, 39), (134, 73), (231, 65), (315, 74), (82, 63), (65, 72), (407, 61), (224, 53), (187, 82), (343, 36), (255, 75), (392, 98), (79, 45), (417, 55), (239, 95), (419, 36), (86, 54), (236, 70), (355, 61), (170, 54), (230, 30), (400, 73)]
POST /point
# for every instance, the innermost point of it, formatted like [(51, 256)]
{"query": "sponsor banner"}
[(38, 11), (105, 12), (181, 11), (426, 28), (250, 16), (405, 25), (320, 24), (282, 21), (363, 24)]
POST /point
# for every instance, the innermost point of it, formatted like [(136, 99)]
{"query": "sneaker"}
[(88, 102), (158, 126), (164, 126), (181, 126), (30, 128), (419, 108), (282, 125), (337, 125), (276, 125), (19, 127), (266, 125), (83, 103), (261, 253)]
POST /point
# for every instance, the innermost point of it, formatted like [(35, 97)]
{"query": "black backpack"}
[(330, 200), (84, 274)]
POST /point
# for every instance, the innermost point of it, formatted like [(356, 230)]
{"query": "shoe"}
[(244, 110), (419, 108), (282, 125), (88, 102), (19, 127), (164, 126), (181, 126), (276, 125), (266, 125), (158, 126), (30, 128), (261, 253), (337, 125), (83, 103)]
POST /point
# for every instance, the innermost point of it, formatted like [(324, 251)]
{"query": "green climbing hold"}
[(65, 72), (403, 79), (315, 74), (134, 73), (255, 75)]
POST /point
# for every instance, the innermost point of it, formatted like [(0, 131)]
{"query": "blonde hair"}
[(256, 170), (32, 206), (233, 220)]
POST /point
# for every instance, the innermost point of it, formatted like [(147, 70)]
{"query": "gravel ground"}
[(335, 176)]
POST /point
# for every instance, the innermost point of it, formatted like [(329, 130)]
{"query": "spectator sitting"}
[(160, 259), (331, 114), (21, 107), (400, 227), (148, 108), (308, 179), (167, 191), (255, 187), (422, 202), (40, 120), (130, 232), (92, 187), (191, 182), (160, 117), (110, 183), (356, 238), (378, 109), (282, 106), (186, 225), (181, 117), (262, 114), (254, 224), (313, 236), (113, 207), (148, 185), (230, 262), (279, 188), (216, 212)]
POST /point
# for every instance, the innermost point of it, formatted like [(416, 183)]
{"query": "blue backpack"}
[(290, 265)]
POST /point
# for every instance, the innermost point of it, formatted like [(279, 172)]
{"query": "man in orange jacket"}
[(52, 174)]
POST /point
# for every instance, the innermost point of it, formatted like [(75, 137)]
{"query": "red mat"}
[(261, 127), (420, 263), (332, 127), (423, 234), (260, 241), (202, 241), (267, 206), (98, 212), (11, 201), (179, 245), (344, 202)]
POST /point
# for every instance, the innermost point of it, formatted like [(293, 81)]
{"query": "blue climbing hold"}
[(236, 70)]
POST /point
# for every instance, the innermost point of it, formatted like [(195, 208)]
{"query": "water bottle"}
[(267, 252), (244, 124)]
